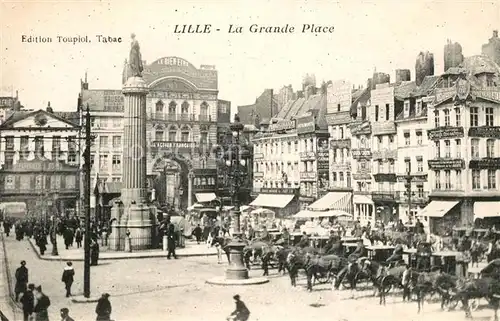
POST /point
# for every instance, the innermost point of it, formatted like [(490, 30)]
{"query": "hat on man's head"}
[(105, 295), (65, 310), (69, 263), (39, 288), (236, 297), (31, 286), (23, 262)]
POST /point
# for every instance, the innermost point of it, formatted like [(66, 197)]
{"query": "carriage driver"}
[(397, 254), (360, 251)]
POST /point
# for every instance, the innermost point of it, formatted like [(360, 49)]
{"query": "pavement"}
[(77, 254), (7, 307), (156, 288)]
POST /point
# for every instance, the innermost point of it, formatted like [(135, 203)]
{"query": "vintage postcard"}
[(249, 160)]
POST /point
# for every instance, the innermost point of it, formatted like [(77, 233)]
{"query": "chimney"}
[(49, 109), (495, 33)]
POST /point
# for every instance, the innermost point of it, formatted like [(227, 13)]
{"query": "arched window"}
[(172, 133), (185, 133), (159, 133), (204, 111), (185, 107), (172, 108), (204, 135), (159, 106)]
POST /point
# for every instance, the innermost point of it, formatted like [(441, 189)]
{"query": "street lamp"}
[(236, 160)]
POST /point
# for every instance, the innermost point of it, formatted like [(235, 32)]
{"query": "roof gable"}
[(36, 119)]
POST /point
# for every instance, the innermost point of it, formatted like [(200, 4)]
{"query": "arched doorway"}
[(171, 181)]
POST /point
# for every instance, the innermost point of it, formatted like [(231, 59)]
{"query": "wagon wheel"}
[(452, 303), (323, 277), (387, 283), (362, 278)]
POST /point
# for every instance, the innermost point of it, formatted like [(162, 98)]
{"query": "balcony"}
[(305, 156), (383, 196), (180, 117), (385, 154), (420, 198)]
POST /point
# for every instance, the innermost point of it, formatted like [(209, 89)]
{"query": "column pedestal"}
[(140, 226)]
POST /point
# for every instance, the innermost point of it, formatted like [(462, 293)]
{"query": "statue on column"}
[(135, 59)]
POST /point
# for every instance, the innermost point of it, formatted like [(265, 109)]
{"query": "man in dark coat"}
[(28, 302), (94, 252), (65, 315), (21, 279), (68, 237), (360, 251), (241, 313), (171, 236), (68, 277), (397, 254), (103, 308), (42, 305), (197, 232), (6, 227), (42, 243)]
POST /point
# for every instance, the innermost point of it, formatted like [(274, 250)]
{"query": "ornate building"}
[(182, 109), (464, 133)]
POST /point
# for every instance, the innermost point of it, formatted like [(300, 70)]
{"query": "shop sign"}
[(323, 165), (383, 196), (258, 156), (485, 131), (258, 175), (414, 178), (305, 125), (362, 176), (172, 144), (439, 164), (278, 190), (338, 118), (307, 155), (485, 163), (340, 143), (445, 132), (308, 175), (323, 156), (361, 153), (384, 128), (282, 125), (492, 94), (361, 128), (385, 177)]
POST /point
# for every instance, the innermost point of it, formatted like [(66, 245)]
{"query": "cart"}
[(380, 253)]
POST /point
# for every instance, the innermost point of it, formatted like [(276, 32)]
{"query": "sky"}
[(382, 34)]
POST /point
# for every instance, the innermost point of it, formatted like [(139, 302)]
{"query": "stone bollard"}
[(165, 243)]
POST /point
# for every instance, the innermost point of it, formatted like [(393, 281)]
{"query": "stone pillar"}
[(135, 218), (190, 189)]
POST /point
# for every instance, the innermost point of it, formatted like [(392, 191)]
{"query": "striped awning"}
[(272, 200), (333, 201), (205, 197), (486, 209)]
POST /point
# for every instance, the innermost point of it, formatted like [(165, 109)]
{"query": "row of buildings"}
[(390, 150)]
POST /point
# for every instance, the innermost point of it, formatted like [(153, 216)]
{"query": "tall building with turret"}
[(452, 55), (424, 66)]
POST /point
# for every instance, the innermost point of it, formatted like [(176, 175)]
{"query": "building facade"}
[(39, 158), (463, 167), (182, 111)]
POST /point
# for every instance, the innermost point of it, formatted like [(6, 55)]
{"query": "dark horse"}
[(487, 287), (383, 278)]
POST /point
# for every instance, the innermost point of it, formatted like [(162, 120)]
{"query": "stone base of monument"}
[(82, 299), (140, 227), (221, 280)]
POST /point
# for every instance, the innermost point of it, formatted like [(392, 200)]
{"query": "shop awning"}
[(306, 214), (205, 197), (272, 200), (438, 208), (486, 209), (361, 199), (333, 201)]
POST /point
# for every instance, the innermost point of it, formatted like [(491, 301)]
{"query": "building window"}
[(447, 179), (117, 122), (438, 149), (436, 118), (72, 157), (92, 160), (159, 107), (9, 182), (458, 118), (379, 142), (420, 164), (419, 137), (25, 182), (391, 139), (474, 148), (172, 134), (476, 179), (407, 138), (338, 107), (407, 166), (391, 166), (376, 112), (204, 110), (172, 108), (55, 182), (185, 134), (117, 163), (387, 111), (492, 179), (296, 148), (204, 136), (117, 142), (39, 182), (159, 134), (474, 116), (447, 149), (458, 143), (489, 116), (459, 179), (446, 118), (341, 132), (490, 148), (103, 142), (420, 191), (437, 175), (185, 107), (380, 166), (103, 162)]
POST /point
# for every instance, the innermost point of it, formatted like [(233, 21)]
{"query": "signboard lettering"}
[(361, 153), (159, 144), (173, 61), (278, 191), (439, 164), (323, 165), (305, 125), (385, 177), (340, 143), (485, 163), (282, 125), (414, 178), (444, 94), (445, 132), (488, 94), (361, 176), (308, 175), (307, 155), (389, 196), (361, 128), (485, 131), (338, 118)]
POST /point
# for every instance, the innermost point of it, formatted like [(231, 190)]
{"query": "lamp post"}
[(408, 193), (236, 160)]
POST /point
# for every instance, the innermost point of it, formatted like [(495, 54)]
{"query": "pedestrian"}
[(68, 237), (197, 232), (42, 305), (171, 236), (103, 308), (28, 302), (21, 279), (241, 313), (78, 237), (42, 243), (6, 227), (67, 277), (94, 252), (65, 315), (406, 282)]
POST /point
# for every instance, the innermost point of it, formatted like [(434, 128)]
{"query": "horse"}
[(321, 268), (351, 272), (423, 283), (295, 261), (487, 287), (383, 278)]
